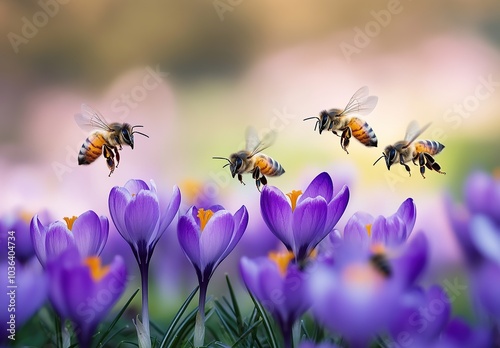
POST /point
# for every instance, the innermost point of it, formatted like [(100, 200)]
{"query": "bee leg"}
[(117, 154), (110, 158), (422, 163), (240, 178), (432, 164), (344, 139), (402, 162)]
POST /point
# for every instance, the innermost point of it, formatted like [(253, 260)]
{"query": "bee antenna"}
[(225, 159), (310, 118), (383, 156), (138, 126)]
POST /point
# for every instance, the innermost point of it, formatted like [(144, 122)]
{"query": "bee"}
[(106, 138), (379, 260), (337, 120), (410, 149), (251, 160)]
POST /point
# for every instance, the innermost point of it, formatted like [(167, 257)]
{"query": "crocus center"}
[(97, 272), (361, 276), (70, 221), (204, 216), (282, 259), (293, 197), (369, 229)]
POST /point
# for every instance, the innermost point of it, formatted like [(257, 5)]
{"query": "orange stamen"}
[(96, 271), (204, 216), (69, 222), (293, 197), (282, 259), (369, 229)]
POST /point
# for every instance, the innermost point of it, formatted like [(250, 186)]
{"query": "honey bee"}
[(337, 120), (410, 149), (381, 264), (251, 160), (106, 138)]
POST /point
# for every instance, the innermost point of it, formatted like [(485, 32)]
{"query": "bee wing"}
[(89, 119), (413, 131), (254, 144), (361, 103)]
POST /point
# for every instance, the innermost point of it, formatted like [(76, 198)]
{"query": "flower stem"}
[(199, 329), (144, 268)]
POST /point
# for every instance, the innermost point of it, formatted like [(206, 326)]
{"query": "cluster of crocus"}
[(207, 237), (477, 227), (79, 288), (135, 211)]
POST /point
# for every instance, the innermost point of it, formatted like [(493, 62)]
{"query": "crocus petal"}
[(240, 222), (38, 234), (119, 198), (141, 216), (486, 237), (215, 238), (188, 234), (58, 239), (336, 208), (134, 186), (411, 264), (308, 225), (355, 230), (390, 231), (171, 211), (321, 185), (249, 270), (277, 214), (87, 233), (407, 211)]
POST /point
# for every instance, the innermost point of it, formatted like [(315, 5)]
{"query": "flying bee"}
[(411, 150), (337, 120), (251, 160), (106, 138)]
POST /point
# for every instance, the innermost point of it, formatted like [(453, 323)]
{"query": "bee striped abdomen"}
[(363, 132), (430, 146), (91, 148), (268, 166)]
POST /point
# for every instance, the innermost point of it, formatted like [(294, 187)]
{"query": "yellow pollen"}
[(293, 197), (96, 271), (282, 259), (69, 222), (313, 253), (25, 216), (361, 276), (378, 248), (204, 216), (369, 229)]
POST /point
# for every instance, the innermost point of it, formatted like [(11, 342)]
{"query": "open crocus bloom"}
[(88, 233), (84, 291), (302, 220)]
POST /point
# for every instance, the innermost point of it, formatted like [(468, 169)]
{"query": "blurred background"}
[(197, 74)]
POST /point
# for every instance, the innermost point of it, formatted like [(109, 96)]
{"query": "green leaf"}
[(235, 306), (177, 317), (267, 324), (246, 333)]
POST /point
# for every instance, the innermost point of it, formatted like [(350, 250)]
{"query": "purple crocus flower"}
[(303, 220), (84, 291), (207, 237), (280, 288), (135, 211), (356, 296), (88, 233), (362, 228)]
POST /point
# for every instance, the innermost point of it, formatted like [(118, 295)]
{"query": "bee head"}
[(235, 162), (390, 155), (127, 134)]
